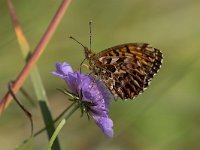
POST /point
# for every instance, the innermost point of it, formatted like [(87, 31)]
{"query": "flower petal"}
[(62, 69), (105, 124), (88, 89)]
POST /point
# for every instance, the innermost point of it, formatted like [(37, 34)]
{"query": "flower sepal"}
[(72, 96), (83, 105)]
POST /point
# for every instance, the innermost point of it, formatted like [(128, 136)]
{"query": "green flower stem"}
[(59, 127), (55, 134)]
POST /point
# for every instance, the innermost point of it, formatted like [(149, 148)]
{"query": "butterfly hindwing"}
[(127, 69)]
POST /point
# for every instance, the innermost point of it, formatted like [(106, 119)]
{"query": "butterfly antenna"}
[(90, 24), (77, 41)]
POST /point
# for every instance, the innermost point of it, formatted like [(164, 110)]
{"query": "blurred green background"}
[(165, 117)]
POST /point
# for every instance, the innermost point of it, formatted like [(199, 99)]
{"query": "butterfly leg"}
[(82, 64)]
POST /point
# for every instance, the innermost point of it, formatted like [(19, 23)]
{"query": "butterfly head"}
[(88, 53)]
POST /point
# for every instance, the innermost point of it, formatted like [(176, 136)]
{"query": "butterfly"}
[(125, 69)]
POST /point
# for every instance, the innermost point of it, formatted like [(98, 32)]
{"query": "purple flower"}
[(92, 93)]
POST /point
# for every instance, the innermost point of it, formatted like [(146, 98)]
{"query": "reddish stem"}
[(36, 54)]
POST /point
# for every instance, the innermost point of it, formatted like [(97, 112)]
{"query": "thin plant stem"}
[(55, 120), (44, 128), (28, 114), (35, 76), (36, 54)]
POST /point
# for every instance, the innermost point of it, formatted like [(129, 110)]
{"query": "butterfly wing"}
[(127, 69)]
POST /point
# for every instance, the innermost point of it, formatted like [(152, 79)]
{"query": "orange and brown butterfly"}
[(125, 69)]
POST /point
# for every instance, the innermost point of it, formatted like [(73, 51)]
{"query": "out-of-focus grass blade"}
[(35, 76)]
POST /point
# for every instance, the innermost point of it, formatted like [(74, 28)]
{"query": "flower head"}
[(92, 93)]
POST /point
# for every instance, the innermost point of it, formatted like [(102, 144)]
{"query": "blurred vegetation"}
[(165, 117)]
